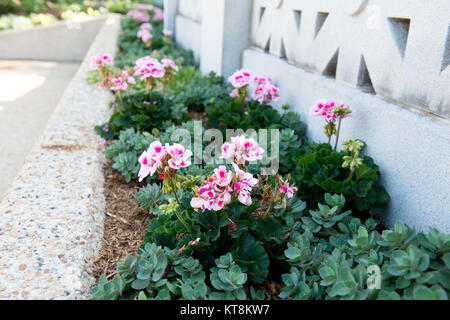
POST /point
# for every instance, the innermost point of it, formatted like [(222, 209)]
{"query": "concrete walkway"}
[(29, 92)]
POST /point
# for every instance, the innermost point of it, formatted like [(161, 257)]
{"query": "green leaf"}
[(365, 172), (388, 295), (140, 284), (421, 292)]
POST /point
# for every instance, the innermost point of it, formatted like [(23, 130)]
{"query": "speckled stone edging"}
[(51, 220)]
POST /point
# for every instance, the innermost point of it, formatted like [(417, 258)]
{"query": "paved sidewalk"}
[(29, 92)]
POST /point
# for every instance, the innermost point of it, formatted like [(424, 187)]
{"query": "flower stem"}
[(337, 134), (119, 96), (178, 214), (268, 210), (350, 176)]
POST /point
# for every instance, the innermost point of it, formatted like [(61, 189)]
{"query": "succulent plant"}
[(228, 277), (150, 198)]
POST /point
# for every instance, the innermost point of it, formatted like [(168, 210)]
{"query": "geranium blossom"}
[(144, 35), (234, 94), (146, 26), (126, 77), (287, 190), (266, 93), (219, 189), (324, 110), (240, 78), (144, 6), (214, 193), (163, 159), (100, 60), (169, 64), (139, 15), (244, 184), (118, 84), (179, 158), (241, 150), (159, 14), (223, 177), (151, 160), (190, 243), (148, 67), (167, 33)]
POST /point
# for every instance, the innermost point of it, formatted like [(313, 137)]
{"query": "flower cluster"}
[(165, 160), (158, 14), (240, 78), (324, 110), (148, 67), (144, 32), (100, 61), (220, 188), (241, 150), (224, 186), (332, 112), (120, 82), (169, 66), (139, 15), (287, 191), (265, 91)]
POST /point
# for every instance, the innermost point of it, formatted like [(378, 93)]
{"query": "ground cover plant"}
[(225, 231)]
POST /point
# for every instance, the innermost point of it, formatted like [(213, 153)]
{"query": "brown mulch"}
[(125, 223), (197, 115)]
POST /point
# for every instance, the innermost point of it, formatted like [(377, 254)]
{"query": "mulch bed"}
[(125, 223)]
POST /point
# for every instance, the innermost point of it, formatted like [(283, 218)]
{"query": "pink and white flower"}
[(244, 183), (144, 6), (100, 60), (167, 33), (144, 35), (126, 77), (324, 110), (219, 189), (287, 190), (181, 249), (169, 64), (163, 159), (241, 150), (179, 158), (139, 15), (159, 14), (240, 78), (146, 26), (151, 159), (266, 93), (223, 177), (234, 94), (192, 242), (148, 67), (118, 84)]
